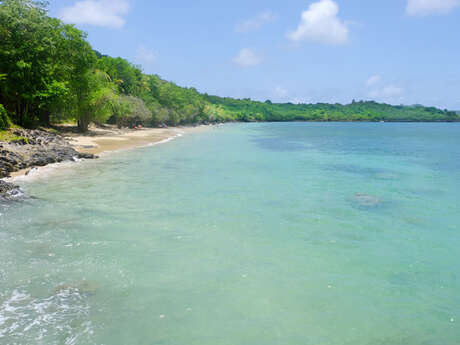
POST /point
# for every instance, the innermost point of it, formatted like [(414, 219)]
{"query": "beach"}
[(109, 139), (99, 141)]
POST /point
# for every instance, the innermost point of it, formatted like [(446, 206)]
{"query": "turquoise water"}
[(243, 234)]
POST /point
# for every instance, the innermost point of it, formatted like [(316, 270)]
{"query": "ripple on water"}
[(61, 318)]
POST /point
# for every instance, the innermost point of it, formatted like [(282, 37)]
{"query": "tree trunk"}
[(83, 125), (45, 117)]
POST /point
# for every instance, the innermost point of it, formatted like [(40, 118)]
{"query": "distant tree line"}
[(248, 110), (49, 73)]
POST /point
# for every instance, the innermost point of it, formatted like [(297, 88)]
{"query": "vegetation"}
[(50, 73), (8, 135), (4, 119), (248, 110)]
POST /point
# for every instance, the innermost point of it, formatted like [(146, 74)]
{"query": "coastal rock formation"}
[(9, 191), (34, 148)]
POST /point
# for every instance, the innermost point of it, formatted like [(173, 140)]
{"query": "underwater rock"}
[(9, 191), (388, 176), (83, 287), (365, 200)]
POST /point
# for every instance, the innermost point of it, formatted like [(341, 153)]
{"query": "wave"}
[(28, 320)]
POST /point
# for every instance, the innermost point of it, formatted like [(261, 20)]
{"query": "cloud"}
[(255, 23), (320, 24), (392, 91), (247, 58), (105, 13), (389, 92), (145, 55), (280, 92), (427, 7), (373, 80)]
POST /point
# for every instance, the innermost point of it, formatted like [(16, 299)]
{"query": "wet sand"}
[(99, 140)]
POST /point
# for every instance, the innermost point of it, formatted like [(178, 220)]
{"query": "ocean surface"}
[(260, 234)]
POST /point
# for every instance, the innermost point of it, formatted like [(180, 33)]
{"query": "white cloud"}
[(105, 13), (427, 7), (373, 80), (389, 92), (247, 58), (255, 23), (321, 24), (392, 91), (145, 55), (280, 92)]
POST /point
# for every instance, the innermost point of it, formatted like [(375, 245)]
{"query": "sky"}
[(299, 51)]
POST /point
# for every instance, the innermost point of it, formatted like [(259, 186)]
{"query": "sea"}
[(242, 234)]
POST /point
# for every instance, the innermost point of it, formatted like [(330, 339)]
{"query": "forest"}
[(50, 74)]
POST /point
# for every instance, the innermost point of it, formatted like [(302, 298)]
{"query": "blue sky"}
[(395, 51)]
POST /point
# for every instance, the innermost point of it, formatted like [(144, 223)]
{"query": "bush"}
[(130, 111), (5, 122)]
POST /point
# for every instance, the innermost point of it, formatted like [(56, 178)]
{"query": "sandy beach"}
[(102, 140), (110, 139)]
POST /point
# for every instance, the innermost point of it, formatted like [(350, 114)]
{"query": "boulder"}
[(9, 191), (36, 148)]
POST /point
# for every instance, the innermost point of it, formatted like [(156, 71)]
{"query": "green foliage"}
[(129, 78), (175, 105), (248, 110), (7, 136), (129, 111), (31, 59), (93, 100), (4, 119)]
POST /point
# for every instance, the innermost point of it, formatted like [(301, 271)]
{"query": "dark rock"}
[(86, 156), (36, 148), (20, 142), (9, 191)]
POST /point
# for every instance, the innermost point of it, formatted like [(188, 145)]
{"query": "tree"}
[(127, 76), (84, 83), (30, 59), (94, 99), (128, 111), (4, 119)]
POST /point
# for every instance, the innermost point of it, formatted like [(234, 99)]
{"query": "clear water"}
[(244, 234)]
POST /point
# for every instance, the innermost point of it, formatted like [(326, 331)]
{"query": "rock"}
[(36, 148), (83, 287), (9, 191), (20, 142), (86, 156), (365, 200)]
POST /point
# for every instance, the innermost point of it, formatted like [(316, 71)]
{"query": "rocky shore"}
[(33, 148)]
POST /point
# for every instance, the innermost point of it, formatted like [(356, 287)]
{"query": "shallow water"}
[(245, 234)]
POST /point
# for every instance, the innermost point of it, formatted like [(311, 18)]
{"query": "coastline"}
[(105, 140), (102, 141)]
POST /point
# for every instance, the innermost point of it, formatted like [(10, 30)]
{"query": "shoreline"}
[(103, 141)]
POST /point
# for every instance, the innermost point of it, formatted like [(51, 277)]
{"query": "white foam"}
[(24, 319), (42, 172)]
